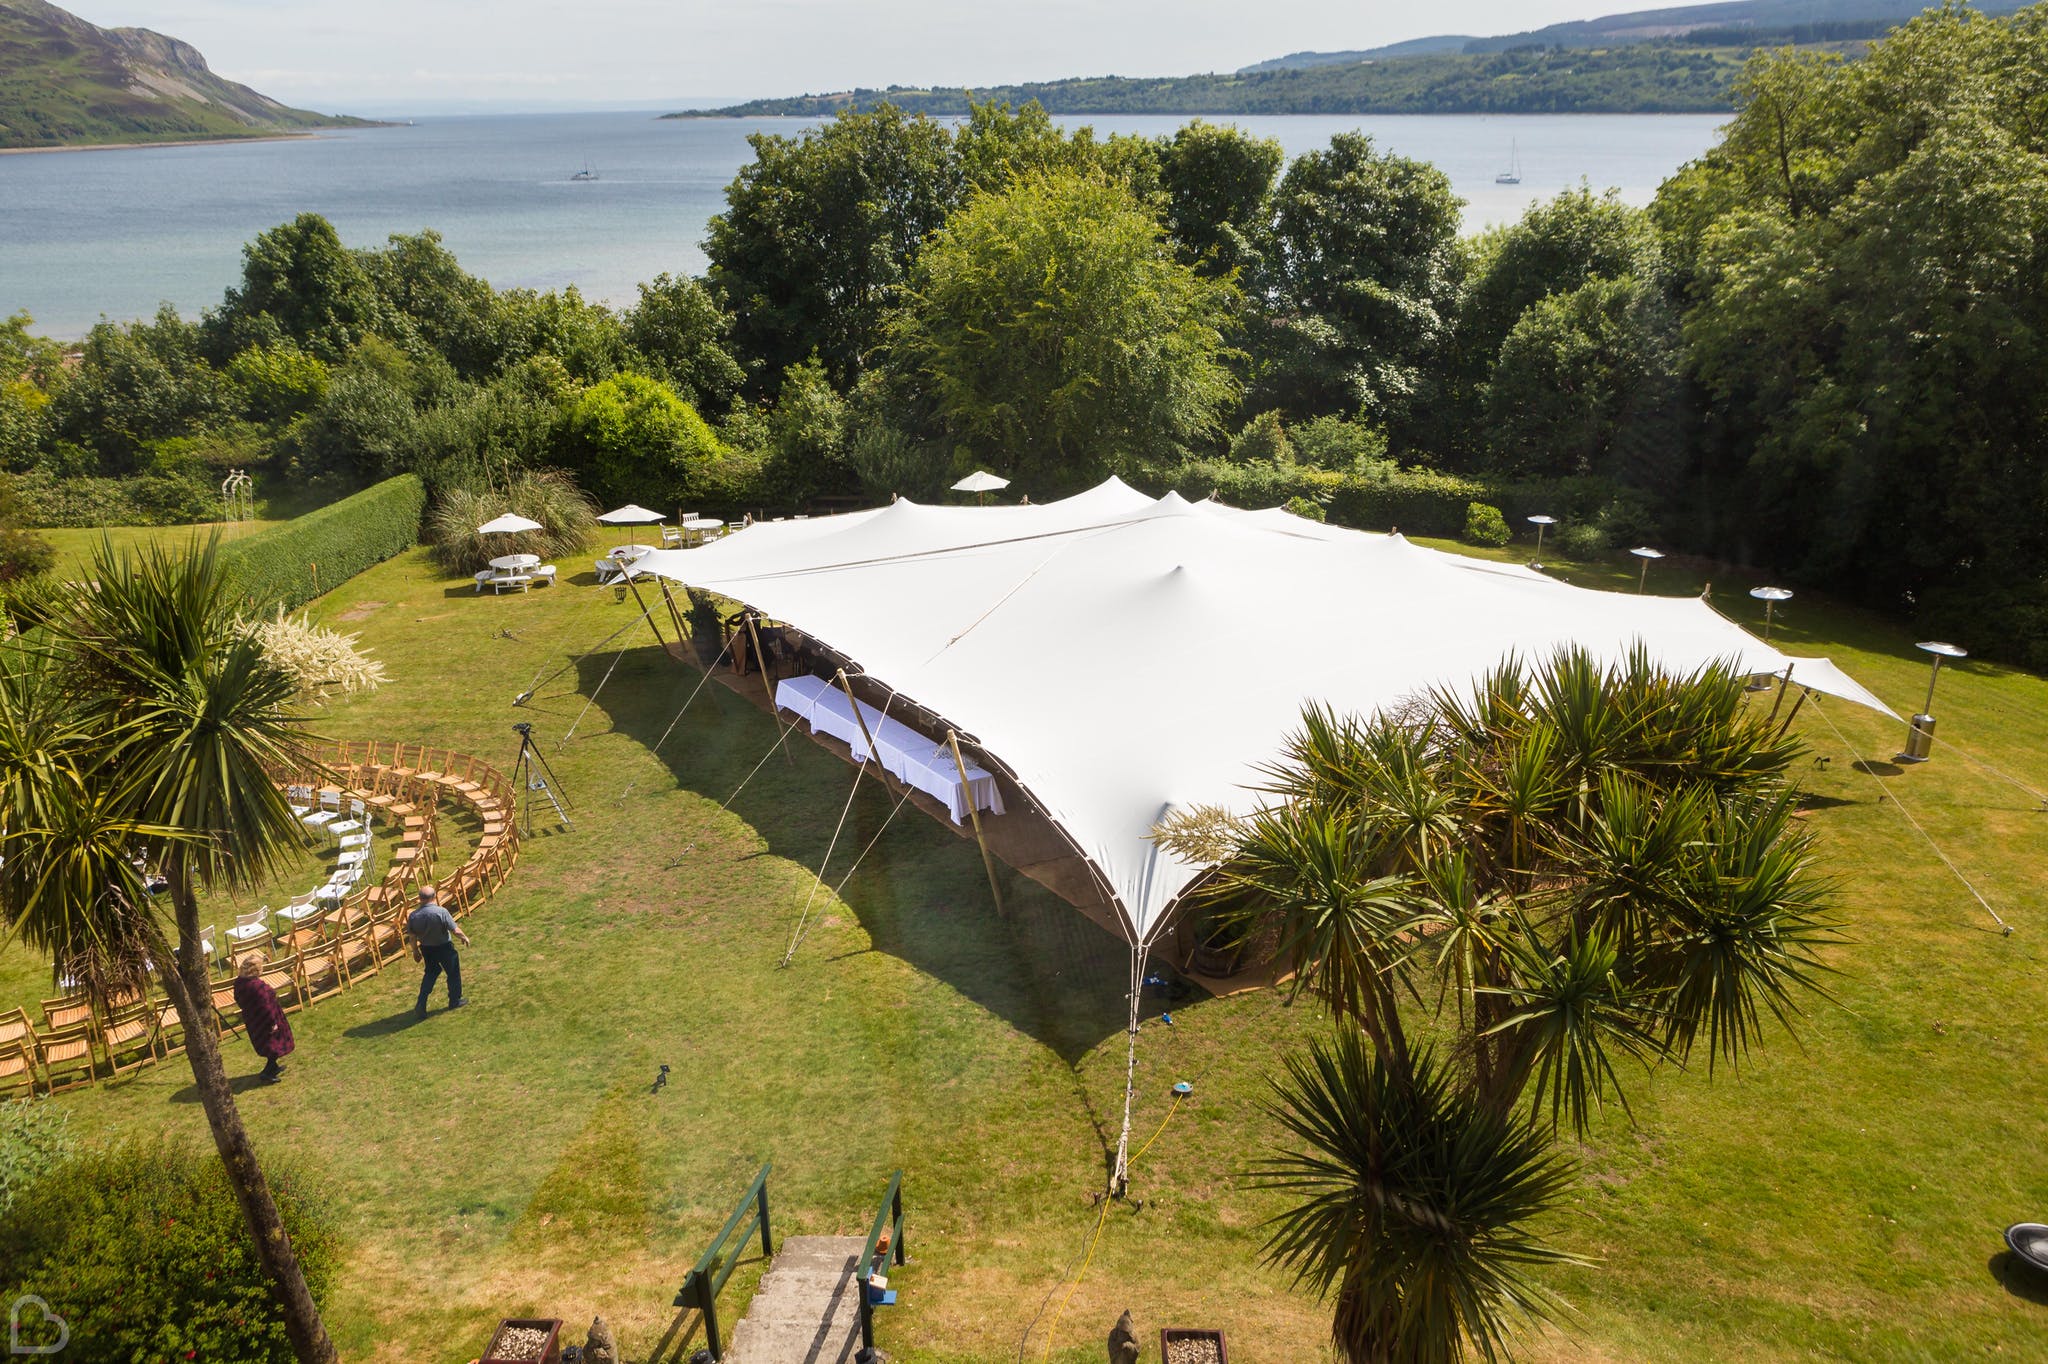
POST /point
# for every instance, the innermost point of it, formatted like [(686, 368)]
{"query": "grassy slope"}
[(1838, 1200)]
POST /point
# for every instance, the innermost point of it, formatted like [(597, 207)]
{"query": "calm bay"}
[(112, 233)]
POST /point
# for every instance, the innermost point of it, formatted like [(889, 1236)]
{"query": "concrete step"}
[(807, 1308)]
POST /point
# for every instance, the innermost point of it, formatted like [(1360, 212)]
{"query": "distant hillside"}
[(65, 82), (1662, 78), (1761, 22)]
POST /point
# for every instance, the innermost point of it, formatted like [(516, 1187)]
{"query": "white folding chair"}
[(300, 909), (250, 930), (300, 797), (329, 811), (353, 857), (354, 821), (361, 840)]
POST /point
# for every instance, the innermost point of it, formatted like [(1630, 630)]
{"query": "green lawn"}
[(1837, 1199), (75, 546)]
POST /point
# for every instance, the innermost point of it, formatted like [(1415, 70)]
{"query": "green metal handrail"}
[(889, 1216), (701, 1286)]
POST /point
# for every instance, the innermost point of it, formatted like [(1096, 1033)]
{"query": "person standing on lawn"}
[(434, 929), (269, 1031)]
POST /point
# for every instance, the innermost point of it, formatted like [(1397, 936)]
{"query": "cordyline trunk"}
[(190, 993)]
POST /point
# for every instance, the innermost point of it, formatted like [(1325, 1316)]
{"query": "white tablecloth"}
[(912, 757)]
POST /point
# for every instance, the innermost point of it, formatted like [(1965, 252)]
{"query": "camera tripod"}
[(527, 769)]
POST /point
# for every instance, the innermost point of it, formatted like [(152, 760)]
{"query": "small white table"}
[(701, 527)]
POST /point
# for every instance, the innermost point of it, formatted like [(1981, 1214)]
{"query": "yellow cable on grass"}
[(1052, 1331)]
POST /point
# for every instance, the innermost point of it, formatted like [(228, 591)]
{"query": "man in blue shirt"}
[(434, 929)]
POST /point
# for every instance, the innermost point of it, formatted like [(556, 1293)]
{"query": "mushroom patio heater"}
[(1920, 730), (1645, 553), (1541, 523), (1770, 597)]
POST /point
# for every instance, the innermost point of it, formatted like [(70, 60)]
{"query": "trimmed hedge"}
[(291, 564), (1416, 501)]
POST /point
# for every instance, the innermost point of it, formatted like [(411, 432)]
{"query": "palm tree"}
[(147, 715), (1572, 869)]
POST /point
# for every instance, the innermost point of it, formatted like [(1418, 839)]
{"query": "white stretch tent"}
[(1125, 656)]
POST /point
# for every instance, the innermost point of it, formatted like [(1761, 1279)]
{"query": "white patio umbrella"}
[(981, 481), (632, 514), (511, 523)]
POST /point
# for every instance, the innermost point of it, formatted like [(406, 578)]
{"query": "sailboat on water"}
[(1513, 174), (585, 174)]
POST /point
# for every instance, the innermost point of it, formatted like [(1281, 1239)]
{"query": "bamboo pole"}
[(974, 813), (675, 616)]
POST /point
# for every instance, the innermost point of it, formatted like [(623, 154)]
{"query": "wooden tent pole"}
[(1779, 699), (767, 687), (675, 616), (874, 749), (1794, 714), (974, 814), (648, 612)]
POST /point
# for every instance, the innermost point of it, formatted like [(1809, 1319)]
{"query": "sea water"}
[(91, 234)]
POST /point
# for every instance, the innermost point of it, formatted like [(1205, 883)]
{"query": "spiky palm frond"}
[(192, 709), (1413, 1204), (1745, 939), (1348, 932), (1575, 1011)]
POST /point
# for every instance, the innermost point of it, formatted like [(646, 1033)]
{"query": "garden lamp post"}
[(1541, 523), (1645, 553), (1920, 730), (1770, 597)]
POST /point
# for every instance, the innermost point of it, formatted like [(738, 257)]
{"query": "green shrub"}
[(1581, 540), (1331, 442), (142, 1250), (1307, 508), (33, 1140), (548, 496), (290, 564), (1264, 437), (1484, 525)]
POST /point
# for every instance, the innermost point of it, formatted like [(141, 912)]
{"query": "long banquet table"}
[(913, 758)]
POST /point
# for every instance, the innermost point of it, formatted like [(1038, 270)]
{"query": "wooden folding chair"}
[(68, 1054), (387, 933), (170, 1029), (282, 976), (321, 971), (129, 1038), (68, 1011), (17, 1070), (358, 949), (227, 1014)]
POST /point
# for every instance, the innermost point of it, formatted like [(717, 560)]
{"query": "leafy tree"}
[(676, 333), (1057, 337), (148, 715), (820, 230), (1587, 383), (807, 431), (1859, 264), (638, 439), (1571, 869), (26, 356), (1331, 442), (137, 383), (365, 426), (307, 285), (1365, 275), (1218, 182), (1560, 245), (585, 338), (439, 305), (278, 381)]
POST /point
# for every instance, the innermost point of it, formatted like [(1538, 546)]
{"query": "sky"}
[(386, 57)]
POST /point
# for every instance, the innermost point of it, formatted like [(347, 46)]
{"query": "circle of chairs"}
[(321, 942)]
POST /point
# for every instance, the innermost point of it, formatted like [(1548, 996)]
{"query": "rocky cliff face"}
[(67, 82)]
